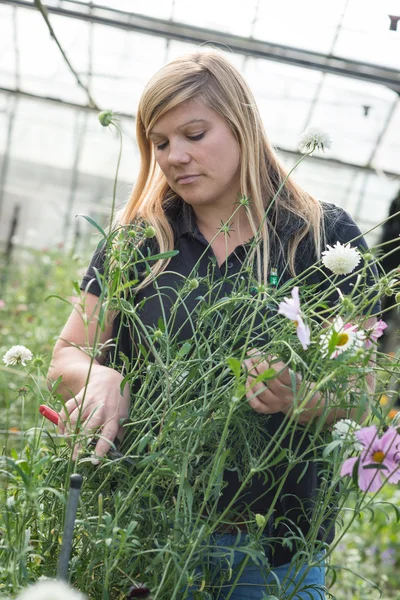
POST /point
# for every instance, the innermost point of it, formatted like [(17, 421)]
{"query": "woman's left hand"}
[(274, 395)]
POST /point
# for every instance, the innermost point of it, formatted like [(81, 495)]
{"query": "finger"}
[(251, 367), (120, 435), (253, 352), (288, 378), (65, 412), (258, 391), (106, 440), (260, 407), (76, 451)]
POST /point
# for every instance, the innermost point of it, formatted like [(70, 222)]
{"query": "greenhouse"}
[(199, 299)]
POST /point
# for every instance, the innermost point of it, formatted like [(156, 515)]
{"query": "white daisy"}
[(50, 589), (314, 138), (341, 260), (344, 430), (17, 355), (342, 336)]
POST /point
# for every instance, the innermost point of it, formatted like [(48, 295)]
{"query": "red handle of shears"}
[(49, 413)]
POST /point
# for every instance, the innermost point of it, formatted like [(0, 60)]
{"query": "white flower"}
[(10, 502), (17, 355), (314, 138), (341, 260), (50, 589), (342, 336), (344, 430)]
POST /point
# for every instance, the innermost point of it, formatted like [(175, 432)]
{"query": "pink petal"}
[(394, 476), (392, 471), (287, 309), (290, 307), (390, 442), (378, 329), (296, 299), (369, 480), (303, 333), (367, 436), (348, 467)]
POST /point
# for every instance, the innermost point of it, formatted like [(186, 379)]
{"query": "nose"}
[(177, 153)]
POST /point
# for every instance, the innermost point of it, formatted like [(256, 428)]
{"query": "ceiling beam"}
[(82, 107), (246, 46)]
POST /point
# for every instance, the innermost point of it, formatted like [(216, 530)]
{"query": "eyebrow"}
[(155, 133)]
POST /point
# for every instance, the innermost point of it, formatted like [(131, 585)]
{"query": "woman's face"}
[(198, 154)]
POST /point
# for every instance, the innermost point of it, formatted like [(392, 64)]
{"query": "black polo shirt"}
[(236, 277)]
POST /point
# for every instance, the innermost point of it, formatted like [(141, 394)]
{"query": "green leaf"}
[(354, 474), (163, 255), (92, 222), (332, 342), (265, 376), (331, 447), (126, 286), (58, 298), (126, 307), (99, 278), (186, 347), (188, 491), (143, 442), (76, 287), (55, 384), (234, 364)]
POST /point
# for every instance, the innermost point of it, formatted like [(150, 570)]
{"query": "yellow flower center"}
[(343, 338), (296, 323), (378, 456)]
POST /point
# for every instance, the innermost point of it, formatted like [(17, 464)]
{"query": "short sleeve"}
[(340, 227), (90, 281)]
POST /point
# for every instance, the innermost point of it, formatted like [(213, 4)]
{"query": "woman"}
[(203, 146)]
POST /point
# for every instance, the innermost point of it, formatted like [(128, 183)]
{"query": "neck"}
[(210, 219)]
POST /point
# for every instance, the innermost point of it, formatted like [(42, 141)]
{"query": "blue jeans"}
[(256, 582)]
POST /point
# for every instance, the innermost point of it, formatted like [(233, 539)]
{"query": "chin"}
[(196, 201)]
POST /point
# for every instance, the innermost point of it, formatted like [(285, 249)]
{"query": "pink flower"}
[(290, 308), (2, 304), (375, 332), (378, 462)]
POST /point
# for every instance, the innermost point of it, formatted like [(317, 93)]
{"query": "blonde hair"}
[(208, 76)]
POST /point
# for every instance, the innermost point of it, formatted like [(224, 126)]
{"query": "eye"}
[(193, 138), (196, 137), (162, 146)]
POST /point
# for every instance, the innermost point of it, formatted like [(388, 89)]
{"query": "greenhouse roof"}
[(329, 63)]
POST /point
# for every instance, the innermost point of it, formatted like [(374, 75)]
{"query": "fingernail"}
[(94, 460)]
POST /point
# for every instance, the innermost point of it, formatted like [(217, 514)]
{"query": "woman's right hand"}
[(103, 408)]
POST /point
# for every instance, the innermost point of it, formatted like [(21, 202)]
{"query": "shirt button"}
[(229, 264)]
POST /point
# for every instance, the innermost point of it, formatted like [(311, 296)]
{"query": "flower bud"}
[(149, 232), (348, 305), (193, 284), (158, 334), (106, 117), (260, 520), (38, 362)]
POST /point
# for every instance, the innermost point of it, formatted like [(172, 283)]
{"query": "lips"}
[(187, 178)]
